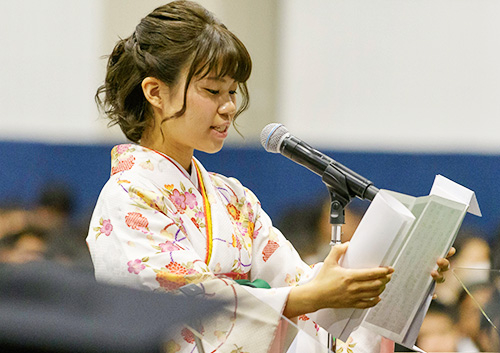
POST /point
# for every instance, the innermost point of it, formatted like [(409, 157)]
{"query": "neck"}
[(159, 144)]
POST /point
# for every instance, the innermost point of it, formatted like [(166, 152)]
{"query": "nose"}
[(227, 109)]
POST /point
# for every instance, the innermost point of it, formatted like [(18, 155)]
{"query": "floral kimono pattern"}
[(156, 227)]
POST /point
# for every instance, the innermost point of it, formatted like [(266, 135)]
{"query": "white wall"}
[(392, 74), (352, 74), (51, 65), (47, 69)]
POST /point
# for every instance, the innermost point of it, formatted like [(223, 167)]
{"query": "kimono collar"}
[(193, 176)]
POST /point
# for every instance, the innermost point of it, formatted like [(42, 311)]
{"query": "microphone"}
[(275, 138)]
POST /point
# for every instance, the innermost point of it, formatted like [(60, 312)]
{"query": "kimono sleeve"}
[(275, 260)]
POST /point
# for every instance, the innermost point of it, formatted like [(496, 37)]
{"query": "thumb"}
[(336, 253)]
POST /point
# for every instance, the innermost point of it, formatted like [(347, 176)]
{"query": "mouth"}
[(221, 128)]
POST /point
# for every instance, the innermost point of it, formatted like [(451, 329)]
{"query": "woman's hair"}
[(178, 35)]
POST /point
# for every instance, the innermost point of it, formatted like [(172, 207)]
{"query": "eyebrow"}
[(218, 79), (215, 78)]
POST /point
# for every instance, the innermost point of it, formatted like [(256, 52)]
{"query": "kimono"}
[(157, 227)]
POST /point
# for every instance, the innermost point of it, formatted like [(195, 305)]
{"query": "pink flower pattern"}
[(135, 266), (107, 227), (191, 200), (178, 199), (169, 246), (120, 149)]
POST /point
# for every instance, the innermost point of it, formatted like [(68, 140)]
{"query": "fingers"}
[(443, 265), (371, 274), (437, 276), (451, 252), (336, 253), (373, 288), (367, 303)]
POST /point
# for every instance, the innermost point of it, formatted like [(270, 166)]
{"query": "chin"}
[(211, 150)]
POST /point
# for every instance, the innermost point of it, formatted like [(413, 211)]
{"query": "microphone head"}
[(272, 136)]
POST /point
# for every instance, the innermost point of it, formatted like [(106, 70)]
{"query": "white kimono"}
[(157, 227)]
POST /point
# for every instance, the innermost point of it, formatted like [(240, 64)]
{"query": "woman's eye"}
[(216, 91)]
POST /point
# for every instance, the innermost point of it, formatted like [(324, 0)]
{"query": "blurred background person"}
[(471, 264), (36, 244), (438, 333), (46, 230), (13, 218), (489, 334), (54, 207), (308, 227), (29, 244), (469, 314)]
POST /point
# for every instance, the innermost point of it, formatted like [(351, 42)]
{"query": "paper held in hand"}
[(410, 234)]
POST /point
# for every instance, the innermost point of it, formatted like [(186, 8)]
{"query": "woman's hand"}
[(443, 266), (338, 287)]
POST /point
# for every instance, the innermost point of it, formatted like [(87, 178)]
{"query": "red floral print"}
[(187, 335), (124, 164), (135, 220), (173, 277), (269, 249), (177, 268)]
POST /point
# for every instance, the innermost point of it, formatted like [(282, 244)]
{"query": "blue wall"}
[(278, 182)]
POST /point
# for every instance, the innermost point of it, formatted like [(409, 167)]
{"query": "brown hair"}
[(164, 43)]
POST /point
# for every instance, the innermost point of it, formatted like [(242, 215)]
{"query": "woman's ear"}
[(154, 91)]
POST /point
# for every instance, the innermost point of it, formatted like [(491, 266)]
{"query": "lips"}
[(221, 129)]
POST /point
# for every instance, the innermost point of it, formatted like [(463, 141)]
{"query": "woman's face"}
[(210, 109)]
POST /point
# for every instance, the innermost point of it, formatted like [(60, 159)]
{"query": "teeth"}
[(220, 128)]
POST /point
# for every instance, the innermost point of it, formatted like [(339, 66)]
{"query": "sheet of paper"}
[(431, 236), (383, 222), (382, 225), (449, 189), (412, 334)]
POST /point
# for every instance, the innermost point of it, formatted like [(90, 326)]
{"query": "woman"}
[(162, 221)]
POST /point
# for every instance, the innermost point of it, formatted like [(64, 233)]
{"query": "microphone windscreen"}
[(271, 137)]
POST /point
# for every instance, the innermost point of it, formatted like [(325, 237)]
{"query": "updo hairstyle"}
[(169, 39)]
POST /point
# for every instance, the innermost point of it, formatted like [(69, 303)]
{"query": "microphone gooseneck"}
[(275, 138)]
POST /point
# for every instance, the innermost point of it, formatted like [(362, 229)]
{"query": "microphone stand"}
[(337, 217), (339, 199), (340, 196)]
